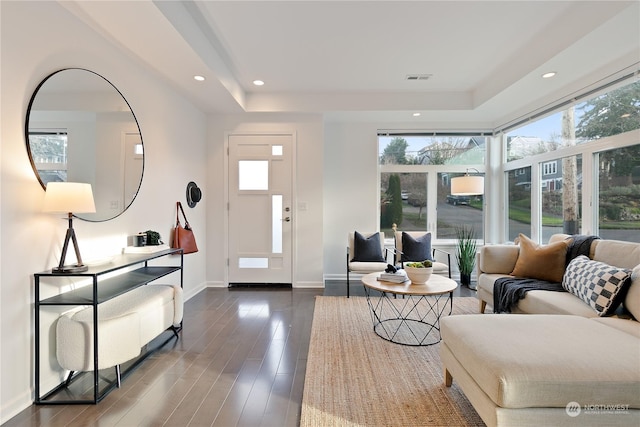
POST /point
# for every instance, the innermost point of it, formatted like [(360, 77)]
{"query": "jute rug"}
[(355, 378)]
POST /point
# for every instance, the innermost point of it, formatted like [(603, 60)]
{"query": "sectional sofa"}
[(560, 358)]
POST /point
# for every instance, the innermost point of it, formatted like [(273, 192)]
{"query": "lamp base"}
[(67, 269)]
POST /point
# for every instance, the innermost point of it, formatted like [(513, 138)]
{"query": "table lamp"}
[(467, 185), (69, 197)]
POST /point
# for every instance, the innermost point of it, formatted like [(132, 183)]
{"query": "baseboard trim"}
[(16, 405)]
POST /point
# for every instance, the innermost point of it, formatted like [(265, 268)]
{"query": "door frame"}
[(294, 204)]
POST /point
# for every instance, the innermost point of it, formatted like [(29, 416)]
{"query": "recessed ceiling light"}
[(416, 114), (258, 82), (548, 75), (198, 78)]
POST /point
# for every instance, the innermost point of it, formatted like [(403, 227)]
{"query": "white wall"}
[(308, 185), (351, 196), (39, 38)]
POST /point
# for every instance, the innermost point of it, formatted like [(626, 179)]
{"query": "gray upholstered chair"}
[(417, 247), (365, 254)]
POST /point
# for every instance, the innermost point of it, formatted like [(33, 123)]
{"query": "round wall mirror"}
[(79, 128)]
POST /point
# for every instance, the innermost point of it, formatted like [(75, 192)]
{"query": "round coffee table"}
[(409, 314)]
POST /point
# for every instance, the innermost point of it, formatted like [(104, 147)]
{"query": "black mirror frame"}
[(26, 136)]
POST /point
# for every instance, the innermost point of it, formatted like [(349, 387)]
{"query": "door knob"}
[(287, 219)]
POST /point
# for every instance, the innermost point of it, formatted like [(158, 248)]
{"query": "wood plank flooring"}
[(240, 361)]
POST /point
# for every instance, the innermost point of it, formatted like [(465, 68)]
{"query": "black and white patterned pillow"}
[(600, 285)]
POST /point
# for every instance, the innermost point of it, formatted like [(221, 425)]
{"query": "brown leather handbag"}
[(183, 237)]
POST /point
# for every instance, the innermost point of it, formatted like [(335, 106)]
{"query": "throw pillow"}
[(600, 285), (367, 249), (416, 249), (542, 262)]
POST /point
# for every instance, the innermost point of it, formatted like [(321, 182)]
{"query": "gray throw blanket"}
[(507, 291)]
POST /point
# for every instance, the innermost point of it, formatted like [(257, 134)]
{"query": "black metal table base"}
[(412, 320)]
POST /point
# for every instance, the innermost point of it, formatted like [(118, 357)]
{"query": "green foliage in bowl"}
[(422, 264)]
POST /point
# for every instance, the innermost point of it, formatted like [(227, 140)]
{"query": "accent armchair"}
[(365, 254), (415, 246)]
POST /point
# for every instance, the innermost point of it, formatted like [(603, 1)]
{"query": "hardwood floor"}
[(240, 361)]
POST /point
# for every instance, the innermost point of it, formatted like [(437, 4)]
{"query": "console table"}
[(120, 275)]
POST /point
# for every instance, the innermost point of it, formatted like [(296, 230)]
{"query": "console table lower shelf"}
[(408, 314)]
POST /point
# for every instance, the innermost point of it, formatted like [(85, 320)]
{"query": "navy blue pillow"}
[(367, 249), (416, 249)]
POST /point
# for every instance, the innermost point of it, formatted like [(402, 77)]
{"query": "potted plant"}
[(466, 253)]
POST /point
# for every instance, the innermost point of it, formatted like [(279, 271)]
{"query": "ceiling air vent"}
[(418, 76)]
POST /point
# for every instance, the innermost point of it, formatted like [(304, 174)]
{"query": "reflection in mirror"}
[(79, 128)]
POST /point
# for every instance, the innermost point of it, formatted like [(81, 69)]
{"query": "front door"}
[(260, 209)]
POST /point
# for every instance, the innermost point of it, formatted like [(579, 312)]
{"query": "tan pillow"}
[(546, 262)]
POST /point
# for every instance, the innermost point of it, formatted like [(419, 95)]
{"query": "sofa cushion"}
[(617, 252), (524, 361), (416, 249), (498, 259), (629, 326), (367, 249), (546, 262), (546, 302), (598, 284)]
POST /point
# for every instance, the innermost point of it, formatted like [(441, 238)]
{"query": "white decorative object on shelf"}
[(144, 249)]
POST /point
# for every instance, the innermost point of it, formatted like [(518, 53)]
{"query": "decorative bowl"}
[(418, 276)]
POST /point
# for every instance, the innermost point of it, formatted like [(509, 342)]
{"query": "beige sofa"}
[(563, 366), (496, 261)]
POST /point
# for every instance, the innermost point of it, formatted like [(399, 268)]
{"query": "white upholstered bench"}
[(126, 323)]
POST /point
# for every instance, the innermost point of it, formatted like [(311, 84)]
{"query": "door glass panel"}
[(276, 226), (253, 174), (245, 262), (276, 150)]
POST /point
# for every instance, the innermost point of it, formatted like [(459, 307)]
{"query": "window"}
[(519, 202), (619, 193), (409, 210), (560, 199), (415, 183), (49, 154), (550, 168), (563, 196), (609, 114)]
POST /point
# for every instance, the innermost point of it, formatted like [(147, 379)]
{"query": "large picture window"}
[(564, 169), (415, 183)]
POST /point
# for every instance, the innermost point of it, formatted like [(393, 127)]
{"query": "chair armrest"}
[(445, 253), (397, 256)]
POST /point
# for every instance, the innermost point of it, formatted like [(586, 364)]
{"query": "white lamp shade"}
[(467, 185), (69, 197)]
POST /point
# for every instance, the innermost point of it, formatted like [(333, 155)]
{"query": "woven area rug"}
[(356, 378)]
